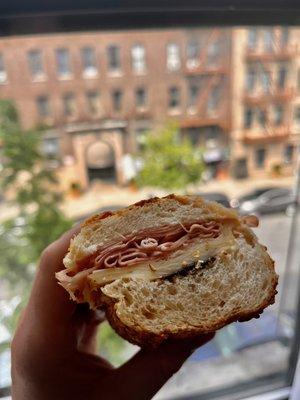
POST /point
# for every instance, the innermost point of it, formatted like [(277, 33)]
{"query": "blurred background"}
[(97, 120)]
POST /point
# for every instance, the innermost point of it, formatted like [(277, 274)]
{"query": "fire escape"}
[(266, 62), (210, 73)]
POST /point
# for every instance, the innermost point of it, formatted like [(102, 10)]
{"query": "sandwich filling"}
[(152, 253)]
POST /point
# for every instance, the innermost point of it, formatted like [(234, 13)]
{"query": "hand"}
[(53, 350)]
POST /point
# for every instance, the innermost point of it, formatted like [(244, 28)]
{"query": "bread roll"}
[(171, 267)]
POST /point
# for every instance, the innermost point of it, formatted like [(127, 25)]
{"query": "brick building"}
[(100, 92)]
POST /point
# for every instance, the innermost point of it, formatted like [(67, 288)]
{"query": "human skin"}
[(54, 347)]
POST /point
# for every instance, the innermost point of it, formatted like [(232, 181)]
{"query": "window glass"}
[(248, 117), (288, 153), (260, 157), (93, 102), (193, 95), (35, 62), (278, 113), (138, 55), (114, 61), (69, 106), (173, 57), (3, 73), (117, 100), (252, 38), (119, 115), (63, 63), (43, 107), (174, 97), (140, 97), (192, 54), (89, 61)]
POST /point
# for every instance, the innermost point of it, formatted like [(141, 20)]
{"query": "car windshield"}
[(95, 120)]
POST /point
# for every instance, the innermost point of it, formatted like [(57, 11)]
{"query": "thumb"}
[(143, 375)]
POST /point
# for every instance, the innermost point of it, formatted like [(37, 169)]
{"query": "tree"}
[(169, 160), (39, 221)]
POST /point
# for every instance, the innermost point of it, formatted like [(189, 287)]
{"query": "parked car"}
[(236, 202), (216, 196), (272, 201)]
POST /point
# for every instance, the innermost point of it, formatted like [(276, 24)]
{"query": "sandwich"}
[(171, 267)]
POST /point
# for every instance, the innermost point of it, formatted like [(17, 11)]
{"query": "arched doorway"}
[(100, 162)]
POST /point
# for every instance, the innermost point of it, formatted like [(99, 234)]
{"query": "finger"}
[(49, 302), (152, 368)]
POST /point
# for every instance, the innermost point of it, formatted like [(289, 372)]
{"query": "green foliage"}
[(169, 160), (25, 173)]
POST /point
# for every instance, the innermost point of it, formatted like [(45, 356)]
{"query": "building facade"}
[(100, 92)]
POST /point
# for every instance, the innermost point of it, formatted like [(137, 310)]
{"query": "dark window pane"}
[(192, 50), (63, 62), (288, 153), (89, 61), (282, 76), (35, 63), (117, 100), (174, 97), (113, 55), (268, 38), (297, 115), (252, 38), (265, 80), (260, 157), (278, 111), (140, 97), (213, 52), (69, 104), (43, 108), (214, 98), (193, 95), (261, 116), (285, 33), (93, 101), (250, 79), (248, 118)]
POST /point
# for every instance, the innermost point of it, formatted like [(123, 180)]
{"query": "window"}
[(173, 57), (89, 63), (248, 118), (213, 52), (250, 79), (252, 38), (278, 114), (114, 61), (63, 64), (268, 40), (265, 80), (262, 118), (193, 95), (285, 33), (213, 98), (138, 55), (117, 100), (93, 102), (35, 63), (69, 105), (282, 77), (260, 157), (288, 153), (3, 73), (174, 97), (297, 115), (140, 97), (50, 147), (192, 54), (42, 104)]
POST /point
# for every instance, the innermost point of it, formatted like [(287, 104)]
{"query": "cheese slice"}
[(177, 261)]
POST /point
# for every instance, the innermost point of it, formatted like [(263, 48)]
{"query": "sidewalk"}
[(105, 195)]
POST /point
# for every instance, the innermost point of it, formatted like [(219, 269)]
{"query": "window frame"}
[(89, 63), (64, 64)]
